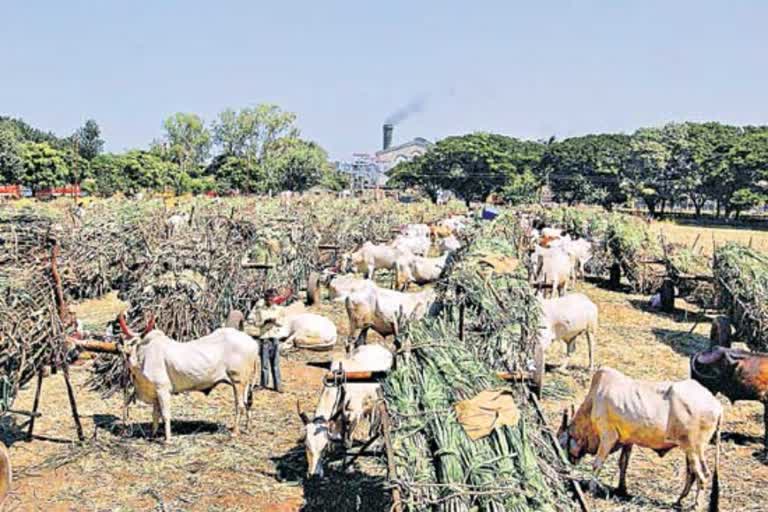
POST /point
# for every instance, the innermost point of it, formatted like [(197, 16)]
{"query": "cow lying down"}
[(296, 327), (161, 367), (359, 401), (620, 412)]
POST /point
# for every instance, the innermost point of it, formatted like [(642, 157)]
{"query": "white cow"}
[(448, 244), (161, 366), (419, 270), (620, 412), (381, 310), (418, 245), (341, 286), (176, 222), (415, 230), (360, 399), (565, 318), (552, 267), (304, 330), (371, 257)]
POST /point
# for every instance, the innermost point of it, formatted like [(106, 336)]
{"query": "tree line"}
[(705, 164), (256, 149)]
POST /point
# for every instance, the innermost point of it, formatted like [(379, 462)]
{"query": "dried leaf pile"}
[(741, 279)]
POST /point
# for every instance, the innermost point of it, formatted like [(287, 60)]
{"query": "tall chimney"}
[(387, 128)]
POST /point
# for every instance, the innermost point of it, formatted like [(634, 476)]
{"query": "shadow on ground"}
[(115, 426), (681, 341), (336, 491)]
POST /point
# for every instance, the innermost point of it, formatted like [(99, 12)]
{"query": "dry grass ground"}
[(709, 236)]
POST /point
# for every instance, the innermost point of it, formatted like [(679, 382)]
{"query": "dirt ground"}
[(710, 236)]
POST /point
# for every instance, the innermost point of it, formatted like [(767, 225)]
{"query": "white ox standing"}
[(359, 402), (552, 267), (161, 366), (382, 310), (566, 318), (414, 244), (620, 412), (371, 257)]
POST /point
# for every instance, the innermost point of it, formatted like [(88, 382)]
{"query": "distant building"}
[(370, 170)]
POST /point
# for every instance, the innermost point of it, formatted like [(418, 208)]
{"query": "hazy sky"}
[(527, 69)]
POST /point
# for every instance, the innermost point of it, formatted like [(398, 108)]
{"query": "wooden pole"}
[(72, 403), (386, 427), (461, 322), (35, 405)]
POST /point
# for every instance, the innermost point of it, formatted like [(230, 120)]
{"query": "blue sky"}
[(526, 69)]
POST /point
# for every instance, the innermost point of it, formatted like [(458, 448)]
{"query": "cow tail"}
[(714, 497)]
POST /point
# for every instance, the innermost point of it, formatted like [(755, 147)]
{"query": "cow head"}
[(132, 337), (317, 436), (574, 447), (712, 368)]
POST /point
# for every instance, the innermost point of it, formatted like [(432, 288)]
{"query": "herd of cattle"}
[(617, 413)]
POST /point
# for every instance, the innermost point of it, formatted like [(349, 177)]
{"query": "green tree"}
[(471, 166), (587, 169), (11, 163), (250, 132), (743, 169), (295, 164), (645, 175), (108, 175), (89, 140), (189, 141), (44, 166)]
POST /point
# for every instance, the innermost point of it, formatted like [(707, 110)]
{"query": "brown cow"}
[(6, 476), (737, 374), (620, 412)]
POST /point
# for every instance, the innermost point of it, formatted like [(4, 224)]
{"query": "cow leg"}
[(164, 399), (689, 476), (155, 417), (591, 348), (362, 337), (626, 451), (568, 351), (765, 425), (608, 439), (237, 388)]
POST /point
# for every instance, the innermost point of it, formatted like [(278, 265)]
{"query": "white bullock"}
[(359, 402), (371, 257), (552, 268), (381, 310), (161, 366), (418, 245), (566, 318)]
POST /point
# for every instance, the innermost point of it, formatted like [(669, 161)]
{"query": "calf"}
[(566, 318), (620, 412), (737, 374), (359, 399), (161, 367), (382, 310)]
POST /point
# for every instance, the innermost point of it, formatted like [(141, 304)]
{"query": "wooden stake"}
[(386, 426), (72, 403), (35, 405)]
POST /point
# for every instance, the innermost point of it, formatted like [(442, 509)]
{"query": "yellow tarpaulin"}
[(488, 410)]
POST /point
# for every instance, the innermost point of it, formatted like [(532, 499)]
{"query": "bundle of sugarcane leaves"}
[(741, 279), (31, 333), (438, 466)]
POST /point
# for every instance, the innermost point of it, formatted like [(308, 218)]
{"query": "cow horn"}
[(302, 414), (573, 411), (150, 325), (710, 357), (124, 327), (564, 424)]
